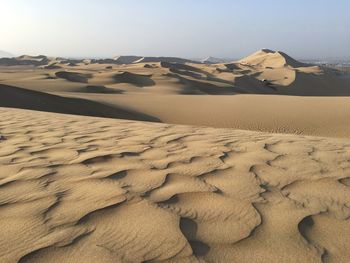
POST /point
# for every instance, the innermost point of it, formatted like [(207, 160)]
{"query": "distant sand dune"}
[(268, 58), (163, 59), (264, 72), (194, 86), (52, 66), (73, 76), (139, 80), (180, 66), (223, 95), (126, 59)]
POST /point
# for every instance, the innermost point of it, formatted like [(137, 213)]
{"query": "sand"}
[(126, 191), (317, 116), (168, 160), (27, 99), (246, 94), (265, 72)]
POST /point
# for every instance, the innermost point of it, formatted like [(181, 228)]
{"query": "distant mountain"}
[(330, 60), (126, 59), (4, 54), (163, 59), (213, 60), (25, 60)]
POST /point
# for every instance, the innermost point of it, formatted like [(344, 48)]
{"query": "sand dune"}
[(84, 189), (18, 62), (264, 72), (70, 62), (195, 86), (203, 94), (139, 80), (317, 116), (100, 89), (271, 59), (126, 59), (213, 60), (163, 59), (52, 66), (73, 76), (88, 189), (25, 99)]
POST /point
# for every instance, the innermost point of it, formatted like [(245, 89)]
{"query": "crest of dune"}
[(267, 58)]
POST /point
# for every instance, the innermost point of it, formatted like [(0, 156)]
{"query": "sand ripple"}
[(84, 189)]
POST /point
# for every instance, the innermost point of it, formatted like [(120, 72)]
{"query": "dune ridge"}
[(28, 99), (139, 80), (126, 191), (73, 76)]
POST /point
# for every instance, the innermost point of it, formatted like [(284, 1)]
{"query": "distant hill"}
[(126, 59), (164, 59), (213, 60), (4, 54)]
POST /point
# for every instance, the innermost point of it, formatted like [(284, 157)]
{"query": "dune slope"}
[(84, 189), (27, 99), (317, 116)]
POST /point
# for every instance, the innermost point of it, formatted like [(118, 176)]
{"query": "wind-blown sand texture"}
[(85, 189)]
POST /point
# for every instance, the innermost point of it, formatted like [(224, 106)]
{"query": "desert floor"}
[(83, 189)]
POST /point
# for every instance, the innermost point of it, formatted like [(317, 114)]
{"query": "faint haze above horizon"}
[(182, 28)]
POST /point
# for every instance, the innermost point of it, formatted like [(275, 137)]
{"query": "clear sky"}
[(185, 28)]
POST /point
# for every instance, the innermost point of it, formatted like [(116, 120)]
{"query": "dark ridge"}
[(52, 66), (23, 62), (187, 73), (135, 79), (73, 76), (202, 87), (180, 66), (14, 97), (101, 89), (164, 59)]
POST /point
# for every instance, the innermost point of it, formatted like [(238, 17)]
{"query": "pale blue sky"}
[(186, 28)]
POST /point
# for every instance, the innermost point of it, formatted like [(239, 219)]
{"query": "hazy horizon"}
[(190, 29)]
